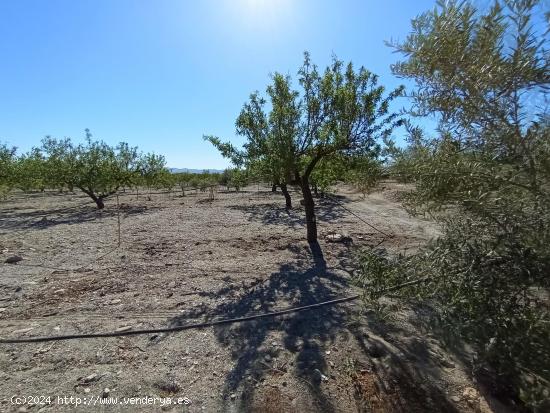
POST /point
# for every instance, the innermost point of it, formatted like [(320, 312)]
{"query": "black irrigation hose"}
[(216, 322), (207, 323), (177, 328)]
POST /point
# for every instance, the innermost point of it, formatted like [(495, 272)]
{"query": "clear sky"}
[(161, 73)]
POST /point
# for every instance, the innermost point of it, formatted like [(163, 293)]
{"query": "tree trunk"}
[(99, 203), (274, 188), (311, 222), (98, 200), (287, 196)]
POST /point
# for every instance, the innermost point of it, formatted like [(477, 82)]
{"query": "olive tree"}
[(486, 76), (338, 110)]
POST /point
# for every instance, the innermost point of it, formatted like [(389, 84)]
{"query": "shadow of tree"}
[(303, 333), (306, 336), (274, 213), (43, 219), (403, 370)]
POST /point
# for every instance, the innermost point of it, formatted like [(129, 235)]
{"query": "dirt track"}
[(188, 259)]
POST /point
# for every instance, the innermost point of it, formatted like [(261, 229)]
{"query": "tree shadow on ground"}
[(305, 335), (403, 369), (42, 219), (498, 390), (326, 210)]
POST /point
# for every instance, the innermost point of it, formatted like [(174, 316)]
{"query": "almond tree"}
[(7, 167), (152, 170), (31, 171), (94, 167), (339, 110)]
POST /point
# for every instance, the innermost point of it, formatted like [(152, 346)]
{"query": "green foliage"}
[(188, 180), (402, 161), (31, 171), (238, 178), (486, 179), (7, 168), (182, 180), (153, 172), (94, 167), (364, 172), (339, 111), (329, 171)]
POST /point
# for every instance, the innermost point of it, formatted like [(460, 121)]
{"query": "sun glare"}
[(260, 14)]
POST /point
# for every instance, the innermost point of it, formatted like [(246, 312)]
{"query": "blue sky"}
[(161, 73)]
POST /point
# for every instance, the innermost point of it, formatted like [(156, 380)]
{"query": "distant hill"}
[(194, 171)]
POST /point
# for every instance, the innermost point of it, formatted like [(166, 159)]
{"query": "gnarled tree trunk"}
[(99, 203), (309, 205), (98, 200), (288, 200)]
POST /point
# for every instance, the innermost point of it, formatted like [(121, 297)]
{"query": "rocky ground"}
[(190, 259)]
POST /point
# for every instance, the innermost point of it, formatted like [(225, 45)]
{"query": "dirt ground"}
[(188, 259)]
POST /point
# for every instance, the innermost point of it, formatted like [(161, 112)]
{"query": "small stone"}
[(233, 396), (105, 393), (22, 331), (447, 363), (470, 394), (267, 358), (116, 301), (2, 309), (455, 399), (124, 328), (318, 376), (14, 259), (334, 237), (327, 352), (90, 378), (87, 390)]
